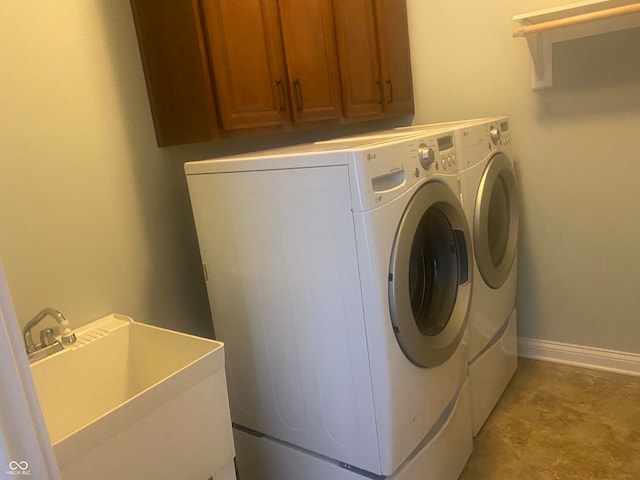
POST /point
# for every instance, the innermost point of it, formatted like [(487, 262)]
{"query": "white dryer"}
[(339, 280), (491, 202)]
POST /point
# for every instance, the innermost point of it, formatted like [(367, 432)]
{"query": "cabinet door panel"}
[(177, 74), (393, 32), (308, 33), (247, 62), (358, 56)]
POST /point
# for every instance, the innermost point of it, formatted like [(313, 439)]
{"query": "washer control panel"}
[(494, 133), (389, 166), (447, 153), (438, 154)]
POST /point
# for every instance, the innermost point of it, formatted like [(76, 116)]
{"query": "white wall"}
[(94, 218), (576, 152)]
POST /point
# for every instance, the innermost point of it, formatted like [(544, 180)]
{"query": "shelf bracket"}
[(541, 64)]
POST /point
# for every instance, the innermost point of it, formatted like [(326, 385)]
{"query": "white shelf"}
[(543, 28)]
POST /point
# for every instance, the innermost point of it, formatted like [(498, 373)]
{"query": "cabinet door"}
[(395, 56), (360, 73), (312, 64), (247, 62), (177, 74)]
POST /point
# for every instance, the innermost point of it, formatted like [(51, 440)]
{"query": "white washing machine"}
[(490, 198), (339, 280)]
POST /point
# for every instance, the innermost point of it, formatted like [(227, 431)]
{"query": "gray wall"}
[(96, 219), (576, 152)]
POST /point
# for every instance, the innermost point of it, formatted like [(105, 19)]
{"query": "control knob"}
[(495, 134), (426, 155)]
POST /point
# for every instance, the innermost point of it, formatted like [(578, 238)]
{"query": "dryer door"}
[(430, 276), (495, 221)]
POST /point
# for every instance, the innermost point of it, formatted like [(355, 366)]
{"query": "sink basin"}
[(129, 400)]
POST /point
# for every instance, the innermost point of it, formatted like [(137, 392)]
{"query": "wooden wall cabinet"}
[(243, 41), (224, 68), (176, 69), (309, 42), (393, 38), (375, 63), (273, 62)]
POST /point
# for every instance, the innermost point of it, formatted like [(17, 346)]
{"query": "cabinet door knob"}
[(390, 87), (280, 94), (299, 101)]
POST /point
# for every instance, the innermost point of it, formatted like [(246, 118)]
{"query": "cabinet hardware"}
[(280, 94), (299, 101), (206, 274)]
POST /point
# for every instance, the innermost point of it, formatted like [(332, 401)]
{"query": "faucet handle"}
[(68, 338), (47, 337)]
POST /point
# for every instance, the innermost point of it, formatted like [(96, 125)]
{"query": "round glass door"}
[(429, 278), (496, 219), (433, 272)]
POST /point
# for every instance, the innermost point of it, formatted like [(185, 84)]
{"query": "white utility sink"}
[(133, 401)]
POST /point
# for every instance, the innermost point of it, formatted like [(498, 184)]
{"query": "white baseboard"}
[(587, 357)]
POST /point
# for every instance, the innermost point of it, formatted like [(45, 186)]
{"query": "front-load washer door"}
[(495, 221), (430, 276)]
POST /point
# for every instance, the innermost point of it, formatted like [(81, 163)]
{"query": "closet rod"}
[(576, 20)]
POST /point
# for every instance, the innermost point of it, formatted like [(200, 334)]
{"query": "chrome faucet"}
[(66, 334)]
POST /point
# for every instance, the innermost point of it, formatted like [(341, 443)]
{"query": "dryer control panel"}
[(479, 140), (505, 134)]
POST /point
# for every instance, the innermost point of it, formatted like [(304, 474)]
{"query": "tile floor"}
[(557, 422)]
